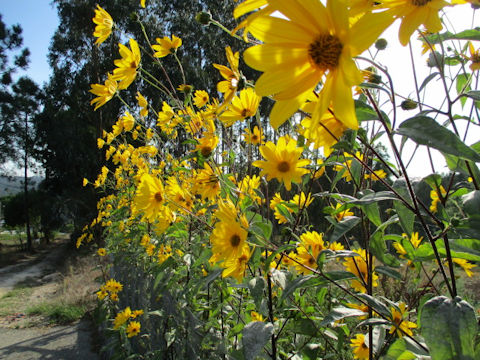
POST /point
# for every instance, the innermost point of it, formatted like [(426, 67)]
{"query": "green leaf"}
[(262, 229), (343, 227), (255, 336), (365, 112), (339, 313), (375, 304), (471, 202), (405, 216), (388, 271), (304, 327), (282, 209), (301, 282), (426, 131), (256, 286), (458, 165), (428, 79), (375, 197), (473, 94), (449, 328), (471, 34), (462, 85), (398, 351)]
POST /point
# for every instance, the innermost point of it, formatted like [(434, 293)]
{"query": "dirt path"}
[(18, 338)]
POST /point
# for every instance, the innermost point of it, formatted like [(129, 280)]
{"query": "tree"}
[(12, 58)]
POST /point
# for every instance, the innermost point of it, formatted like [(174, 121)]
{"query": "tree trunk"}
[(27, 215)]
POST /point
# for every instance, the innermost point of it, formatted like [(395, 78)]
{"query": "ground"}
[(37, 295)]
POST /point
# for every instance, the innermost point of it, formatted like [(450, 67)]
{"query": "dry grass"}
[(66, 297)]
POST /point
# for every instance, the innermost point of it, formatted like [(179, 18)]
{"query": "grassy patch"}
[(58, 313), (13, 300)]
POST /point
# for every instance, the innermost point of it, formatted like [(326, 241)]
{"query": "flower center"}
[(283, 166), (325, 51), (245, 113), (206, 151), (235, 240), (158, 196), (420, 2)]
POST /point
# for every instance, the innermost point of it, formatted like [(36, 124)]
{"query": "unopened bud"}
[(203, 17), (381, 44), (435, 59), (408, 104)]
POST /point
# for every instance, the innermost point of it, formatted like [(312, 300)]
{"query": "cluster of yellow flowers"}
[(306, 57)]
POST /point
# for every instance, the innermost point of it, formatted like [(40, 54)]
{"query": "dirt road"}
[(42, 341)]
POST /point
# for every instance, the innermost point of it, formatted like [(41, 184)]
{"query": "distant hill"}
[(11, 185)]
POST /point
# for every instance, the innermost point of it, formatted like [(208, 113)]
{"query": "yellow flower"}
[(128, 121), (127, 66), (104, 92), (150, 196), (113, 286), (400, 325), (142, 102), (207, 183), (122, 317), (342, 214), (200, 98), (206, 145), (434, 196), (85, 182), (376, 175), (357, 265), (301, 200), (310, 44), (474, 57), (142, 3), (133, 328), (415, 240), (164, 253), (235, 267), (101, 252), (360, 349), (166, 46), (308, 249), (282, 161), (415, 13), (242, 107), (254, 136), (229, 86), (228, 240), (104, 25), (256, 316), (465, 265), (324, 132), (136, 314)]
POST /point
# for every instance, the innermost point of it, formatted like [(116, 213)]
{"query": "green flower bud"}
[(408, 104), (203, 18), (381, 44)]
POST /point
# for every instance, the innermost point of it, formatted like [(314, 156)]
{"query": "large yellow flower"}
[(415, 13), (127, 66), (104, 25), (282, 161), (310, 246), (166, 46), (228, 240), (104, 92), (360, 349), (150, 196), (242, 107), (314, 44)]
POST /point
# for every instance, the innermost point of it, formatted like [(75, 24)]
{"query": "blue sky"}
[(38, 19)]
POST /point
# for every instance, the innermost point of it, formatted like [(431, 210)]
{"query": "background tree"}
[(12, 58), (68, 126)]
